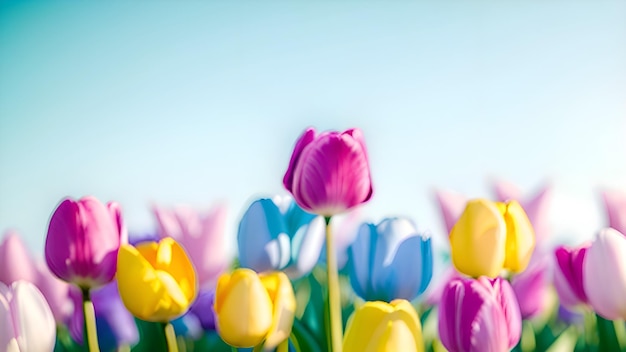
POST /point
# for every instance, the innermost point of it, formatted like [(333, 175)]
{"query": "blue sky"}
[(193, 102)]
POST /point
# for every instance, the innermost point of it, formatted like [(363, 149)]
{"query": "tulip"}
[(390, 261), (604, 274), (451, 205), (329, 173), (276, 234), (82, 241), (380, 326), (157, 281), (491, 236), (568, 275), (116, 327), (56, 292), (15, 261), (252, 308), (26, 322), (479, 315), (615, 203), (203, 309), (202, 236)]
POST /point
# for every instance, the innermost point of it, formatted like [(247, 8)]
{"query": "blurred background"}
[(196, 103)]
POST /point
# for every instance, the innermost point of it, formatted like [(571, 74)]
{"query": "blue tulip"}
[(390, 261), (276, 234)]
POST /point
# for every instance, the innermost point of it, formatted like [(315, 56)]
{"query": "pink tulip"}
[(15, 261), (329, 173), (604, 274), (568, 275), (535, 206), (479, 315), (531, 286), (82, 242), (202, 236), (26, 323), (451, 205), (615, 203)]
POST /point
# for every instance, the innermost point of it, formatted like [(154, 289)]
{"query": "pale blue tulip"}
[(390, 261), (276, 234)]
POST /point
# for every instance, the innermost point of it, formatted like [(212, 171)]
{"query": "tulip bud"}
[(157, 281), (15, 261), (82, 242), (251, 308), (604, 274), (381, 326), (568, 275), (390, 261), (26, 322), (479, 315), (329, 173)]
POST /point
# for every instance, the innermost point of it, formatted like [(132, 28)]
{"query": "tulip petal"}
[(243, 308), (478, 240), (137, 282), (283, 298), (520, 237), (172, 259), (15, 261), (615, 204), (305, 139), (604, 275), (32, 318), (7, 331), (360, 255), (505, 297), (260, 224), (307, 245), (451, 206), (363, 324), (568, 275)]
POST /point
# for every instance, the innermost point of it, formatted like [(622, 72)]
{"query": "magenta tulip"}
[(82, 242), (15, 261), (615, 203), (568, 275), (329, 173), (604, 274), (531, 286), (202, 236), (479, 315)]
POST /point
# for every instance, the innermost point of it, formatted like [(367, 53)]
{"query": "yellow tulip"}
[(491, 236), (251, 309), (156, 280), (380, 326)]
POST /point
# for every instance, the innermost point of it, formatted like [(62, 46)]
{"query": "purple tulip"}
[(82, 242), (568, 275), (202, 236), (479, 315), (116, 326), (203, 309), (15, 261), (604, 274), (531, 286), (329, 173), (615, 203)]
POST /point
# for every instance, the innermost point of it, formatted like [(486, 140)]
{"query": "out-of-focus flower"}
[(56, 292), (535, 206), (26, 322), (116, 326), (276, 234), (491, 236), (604, 274), (390, 261), (82, 241), (15, 261), (380, 326), (203, 309), (202, 236), (531, 287), (451, 205), (568, 275), (329, 173), (253, 308), (479, 315), (615, 203), (345, 228), (157, 281)]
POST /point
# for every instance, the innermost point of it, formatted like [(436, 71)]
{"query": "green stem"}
[(89, 315), (334, 298), (170, 336)]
